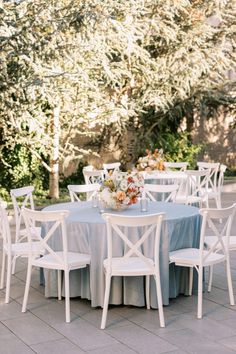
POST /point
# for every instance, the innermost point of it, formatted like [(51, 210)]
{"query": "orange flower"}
[(133, 199), (130, 179), (120, 195)]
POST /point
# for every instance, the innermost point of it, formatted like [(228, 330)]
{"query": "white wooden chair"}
[(113, 166), (180, 166), (133, 262), (63, 260), (91, 177), (216, 192), (88, 168), (211, 242), (202, 257), (161, 192), (22, 197), (12, 250), (212, 188), (194, 189), (75, 190)]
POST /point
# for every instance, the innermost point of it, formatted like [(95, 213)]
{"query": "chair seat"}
[(131, 267), (24, 248), (75, 260), (35, 231), (191, 256), (213, 195), (181, 199), (210, 240)]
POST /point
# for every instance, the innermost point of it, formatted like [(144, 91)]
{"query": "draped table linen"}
[(167, 177), (164, 175), (86, 231)]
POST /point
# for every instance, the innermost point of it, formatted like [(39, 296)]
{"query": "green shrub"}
[(20, 168), (178, 147)]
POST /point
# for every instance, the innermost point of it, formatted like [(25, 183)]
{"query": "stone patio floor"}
[(42, 329)]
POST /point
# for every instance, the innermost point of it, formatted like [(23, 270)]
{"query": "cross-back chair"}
[(12, 250), (21, 198), (63, 260), (212, 188), (88, 168), (216, 192), (180, 166), (194, 189), (113, 166), (211, 241), (91, 177), (75, 190), (133, 262), (202, 257), (161, 192)]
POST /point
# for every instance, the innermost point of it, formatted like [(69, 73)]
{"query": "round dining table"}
[(164, 175), (86, 232)]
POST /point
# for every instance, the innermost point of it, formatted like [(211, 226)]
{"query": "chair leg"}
[(27, 286), (147, 291), (159, 300), (229, 281), (106, 300), (218, 204), (3, 270), (199, 299), (218, 201), (59, 284), (13, 265), (67, 294), (190, 289), (210, 278), (8, 281)]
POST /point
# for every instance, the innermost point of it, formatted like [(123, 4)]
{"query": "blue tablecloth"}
[(87, 233)]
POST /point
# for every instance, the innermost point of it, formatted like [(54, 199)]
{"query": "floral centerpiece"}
[(152, 161), (121, 189)]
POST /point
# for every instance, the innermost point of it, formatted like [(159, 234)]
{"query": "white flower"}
[(123, 185), (126, 201), (151, 163), (119, 177)]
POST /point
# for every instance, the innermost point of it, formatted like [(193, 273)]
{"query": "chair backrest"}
[(214, 169), (149, 226), (76, 189), (54, 226), (113, 166), (5, 228), (161, 192), (91, 177), (181, 166), (197, 183), (220, 183), (21, 197), (88, 168), (220, 222)]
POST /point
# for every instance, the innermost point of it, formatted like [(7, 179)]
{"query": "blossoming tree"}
[(72, 68)]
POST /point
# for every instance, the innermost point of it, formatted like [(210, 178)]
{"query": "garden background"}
[(86, 81)]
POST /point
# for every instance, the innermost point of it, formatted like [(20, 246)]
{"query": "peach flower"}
[(120, 195)]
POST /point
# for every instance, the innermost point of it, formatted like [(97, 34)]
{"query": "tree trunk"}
[(54, 184), (189, 113), (54, 162)]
